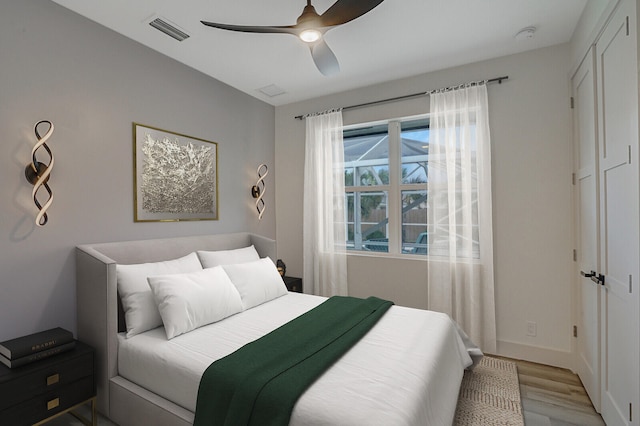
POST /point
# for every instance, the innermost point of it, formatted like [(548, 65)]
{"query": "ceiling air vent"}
[(272, 90), (171, 30)]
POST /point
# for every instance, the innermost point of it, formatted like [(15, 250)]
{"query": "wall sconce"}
[(282, 268), (257, 190), (37, 173)]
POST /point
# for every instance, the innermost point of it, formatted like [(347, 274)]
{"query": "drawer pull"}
[(53, 379), (53, 403)]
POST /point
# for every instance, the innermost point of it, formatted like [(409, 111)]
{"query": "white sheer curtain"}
[(325, 262), (460, 277)]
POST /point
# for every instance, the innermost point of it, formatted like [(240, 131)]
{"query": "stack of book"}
[(34, 347)]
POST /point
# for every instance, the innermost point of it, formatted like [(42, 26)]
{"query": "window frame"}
[(394, 188)]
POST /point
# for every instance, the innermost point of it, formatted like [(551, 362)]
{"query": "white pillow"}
[(210, 259), (189, 301), (140, 310), (257, 281)]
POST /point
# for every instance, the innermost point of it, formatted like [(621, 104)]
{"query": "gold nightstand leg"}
[(84, 420)]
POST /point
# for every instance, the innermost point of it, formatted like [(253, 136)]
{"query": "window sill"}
[(409, 257), (384, 255)]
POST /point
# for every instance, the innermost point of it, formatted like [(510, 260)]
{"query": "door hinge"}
[(575, 255), (629, 154), (573, 179), (630, 284), (627, 23), (575, 331), (571, 102), (630, 412)]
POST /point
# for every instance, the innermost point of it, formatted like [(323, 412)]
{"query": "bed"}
[(405, 371)]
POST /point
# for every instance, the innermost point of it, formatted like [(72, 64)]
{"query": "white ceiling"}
[(397, 39)]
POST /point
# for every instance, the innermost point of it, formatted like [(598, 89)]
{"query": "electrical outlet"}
[(532, 329)]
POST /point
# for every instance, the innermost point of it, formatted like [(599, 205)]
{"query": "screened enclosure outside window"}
[(366, 181), (385, 174), (414, 136)]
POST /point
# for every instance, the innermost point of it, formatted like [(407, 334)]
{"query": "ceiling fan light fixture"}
[(310, 35), (311, 27)]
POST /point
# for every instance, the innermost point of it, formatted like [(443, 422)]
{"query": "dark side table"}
[(40, 391), (293, 284)]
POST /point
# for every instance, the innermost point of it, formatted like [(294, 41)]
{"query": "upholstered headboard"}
[(98, 314)]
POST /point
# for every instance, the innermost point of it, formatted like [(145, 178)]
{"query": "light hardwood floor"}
[(551, 396)]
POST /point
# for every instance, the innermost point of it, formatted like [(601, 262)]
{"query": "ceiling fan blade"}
[(324, 58), (289, 29), (347, 10)]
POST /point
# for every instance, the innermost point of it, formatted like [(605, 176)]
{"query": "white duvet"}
[(406, 371)]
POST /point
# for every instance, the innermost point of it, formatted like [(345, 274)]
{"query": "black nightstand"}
[(293, 284), (38, 392)]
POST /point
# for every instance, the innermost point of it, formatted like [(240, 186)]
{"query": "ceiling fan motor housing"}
[(309, 17)]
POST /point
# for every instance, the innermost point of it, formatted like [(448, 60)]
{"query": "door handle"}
[(588, 274), (598, 279)]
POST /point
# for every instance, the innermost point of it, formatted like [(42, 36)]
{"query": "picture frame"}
[(175, 176)]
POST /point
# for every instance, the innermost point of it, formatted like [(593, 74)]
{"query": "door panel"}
[(620, 377), (619, 216), (587, 224)]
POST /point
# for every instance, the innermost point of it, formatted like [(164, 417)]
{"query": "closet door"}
[(619, 216), (586, 210)]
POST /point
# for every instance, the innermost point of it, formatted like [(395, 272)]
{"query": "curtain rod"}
[(398, 98)]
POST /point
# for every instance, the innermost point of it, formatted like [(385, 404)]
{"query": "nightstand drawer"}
[(49, 377), (49, 403)]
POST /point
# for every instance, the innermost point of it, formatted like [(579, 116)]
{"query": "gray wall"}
[(530, 124), (93, 83)]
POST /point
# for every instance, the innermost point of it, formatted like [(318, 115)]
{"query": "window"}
[(385, 176)]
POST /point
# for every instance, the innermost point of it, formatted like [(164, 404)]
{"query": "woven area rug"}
[(490, 395)]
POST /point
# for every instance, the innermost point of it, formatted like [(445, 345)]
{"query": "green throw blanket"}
[(260, 383)]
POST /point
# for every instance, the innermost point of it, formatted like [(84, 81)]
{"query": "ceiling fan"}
[(311, 27)]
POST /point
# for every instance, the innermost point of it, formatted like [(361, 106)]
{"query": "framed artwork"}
[(175, 176)]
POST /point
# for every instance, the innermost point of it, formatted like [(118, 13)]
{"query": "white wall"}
[(591, 21), (93, 83), (530, 127)]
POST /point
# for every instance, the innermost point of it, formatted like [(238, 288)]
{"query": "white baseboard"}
[(537, 354)]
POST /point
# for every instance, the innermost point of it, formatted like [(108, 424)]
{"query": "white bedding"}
[(405, 371)]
